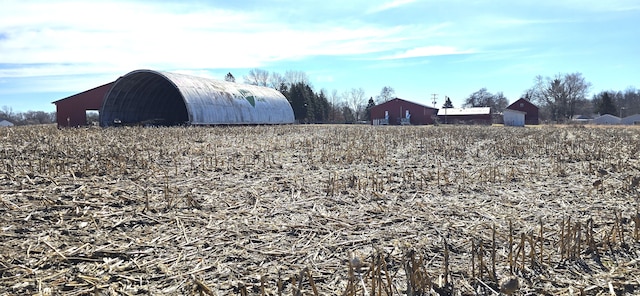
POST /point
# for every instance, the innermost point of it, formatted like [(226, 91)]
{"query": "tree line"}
[(564, 96), (560, 98), (27, 118), (310, 106)]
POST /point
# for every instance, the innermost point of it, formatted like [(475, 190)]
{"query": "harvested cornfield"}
[(320, 210)]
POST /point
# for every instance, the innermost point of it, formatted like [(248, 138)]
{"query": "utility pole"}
[(445, 109), (434, 100)]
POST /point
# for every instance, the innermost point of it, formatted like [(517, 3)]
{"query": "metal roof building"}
[(5, 123), (72, 111), (513, 117), (154, 97), (531, 110), (398, 112), (472, 115), (632, 119), (606, 119), (147, 96)]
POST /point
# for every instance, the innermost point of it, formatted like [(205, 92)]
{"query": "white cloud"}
[(428, 51), (390, 5), (50, 39)]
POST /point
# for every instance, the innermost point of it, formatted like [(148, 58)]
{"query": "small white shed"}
[(631, 120), (5, 123), (513, 117), (606, 119)]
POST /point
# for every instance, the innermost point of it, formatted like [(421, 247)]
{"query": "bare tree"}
[(355, 100), (293, 77), (257, 77), (277, 81), (334, 102), (561, 95), (483, 98), (387, 93)]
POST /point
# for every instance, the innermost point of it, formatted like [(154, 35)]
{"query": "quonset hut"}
[(163, 98)]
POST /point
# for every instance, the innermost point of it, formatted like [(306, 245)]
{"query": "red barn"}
[(472, 115), (72, 111), (531, 110), (398, 111)]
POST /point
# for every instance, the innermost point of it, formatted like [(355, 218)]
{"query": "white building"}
[(606, 119), (513, 117), (631, 120), (5, 123)]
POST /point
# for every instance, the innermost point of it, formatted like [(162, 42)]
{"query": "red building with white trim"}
[(398, 111), (531, 110)]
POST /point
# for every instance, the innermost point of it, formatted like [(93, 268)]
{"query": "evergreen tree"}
[(348, 115), (229, 77), (605, 104), (322, 107), (295, 96), (447, 103), (370, 105)]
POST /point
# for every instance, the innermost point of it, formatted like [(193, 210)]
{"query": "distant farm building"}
[(402, 112), (531, 111), (72, 111), (474, 115), (581, 119), (5, 123), (631, 120), (513, 117), (606, 119), (163, 98)]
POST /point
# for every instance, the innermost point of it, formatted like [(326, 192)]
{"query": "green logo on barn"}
[(248, 96)]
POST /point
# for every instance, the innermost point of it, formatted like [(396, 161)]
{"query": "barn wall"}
[(420, 115), (513, 118), (466, 119), (523, 105), (72, 111)]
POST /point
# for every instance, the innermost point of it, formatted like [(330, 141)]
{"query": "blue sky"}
[(53, 49)]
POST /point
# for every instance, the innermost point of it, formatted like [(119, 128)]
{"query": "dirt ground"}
[(320, 210)]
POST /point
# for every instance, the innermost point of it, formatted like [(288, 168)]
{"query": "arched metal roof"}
[(170, 98)]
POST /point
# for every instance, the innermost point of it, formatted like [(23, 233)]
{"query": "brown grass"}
[(316, 210)]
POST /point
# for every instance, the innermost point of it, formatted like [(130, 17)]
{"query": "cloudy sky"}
[(53, 49)]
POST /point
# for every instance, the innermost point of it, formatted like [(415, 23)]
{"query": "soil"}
[(319, 210)]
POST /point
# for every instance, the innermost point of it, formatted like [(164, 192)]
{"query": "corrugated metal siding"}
[(513, 117), (606, 119), (176, 98), (633, 119), (464, 111)]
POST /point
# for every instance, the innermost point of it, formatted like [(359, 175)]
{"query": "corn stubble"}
[(317, 210)]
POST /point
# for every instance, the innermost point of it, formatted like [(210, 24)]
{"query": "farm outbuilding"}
[(631, 120), (169, 98), (164, 98), (72, 111), (606, 119), (513, 117), (473, 115), (531, 111), (5, 123), (398, 112)]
